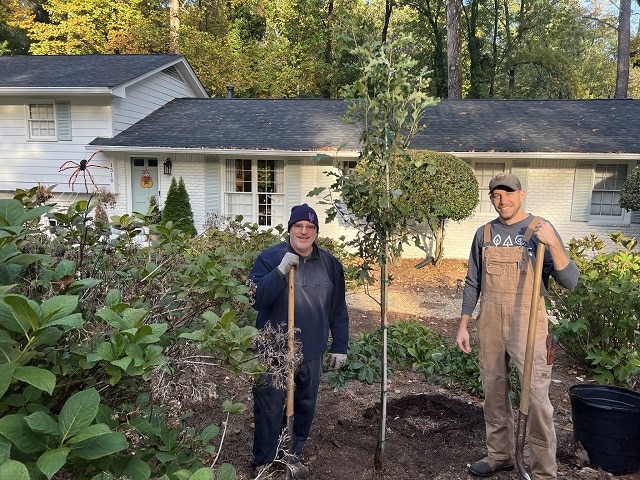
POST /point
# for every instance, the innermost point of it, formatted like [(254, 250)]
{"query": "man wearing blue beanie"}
[(320, 310)]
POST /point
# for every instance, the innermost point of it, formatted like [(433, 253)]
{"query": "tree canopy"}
[(287, 48)]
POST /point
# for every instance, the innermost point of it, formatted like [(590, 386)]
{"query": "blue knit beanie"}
[(303, 212)]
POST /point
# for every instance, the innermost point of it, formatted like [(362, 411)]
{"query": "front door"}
[(144, 174)]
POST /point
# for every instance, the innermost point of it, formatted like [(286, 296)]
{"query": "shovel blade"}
[(521, 435)]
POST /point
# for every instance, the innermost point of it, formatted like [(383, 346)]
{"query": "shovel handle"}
[(531, 331), (290, 341)]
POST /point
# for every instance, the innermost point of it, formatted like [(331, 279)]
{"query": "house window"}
[(605, 196), (48, 120), (348, 164), (484, 173), (42, 121), (255, 190)]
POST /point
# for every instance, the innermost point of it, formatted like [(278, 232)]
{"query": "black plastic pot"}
[(606, 421)]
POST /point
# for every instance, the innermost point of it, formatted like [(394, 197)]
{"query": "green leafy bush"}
[(599, 320), (630, 192)]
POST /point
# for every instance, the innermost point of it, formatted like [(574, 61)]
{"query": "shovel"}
[(290, 356), (523, 414)]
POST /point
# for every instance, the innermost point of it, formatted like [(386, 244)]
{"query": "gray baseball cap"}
[(508, 181)]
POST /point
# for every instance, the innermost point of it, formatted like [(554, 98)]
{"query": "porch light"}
[(167, 166)]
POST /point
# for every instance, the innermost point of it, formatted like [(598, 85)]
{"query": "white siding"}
[(549, 194), (24, 162), (144, 97)]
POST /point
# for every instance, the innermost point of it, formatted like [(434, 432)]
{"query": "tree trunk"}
[(174, 24), (388, 9), (453, 50), (624, 49), (476, 75)]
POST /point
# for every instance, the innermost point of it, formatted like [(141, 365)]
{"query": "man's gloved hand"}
[(337, 360), (289, 260)]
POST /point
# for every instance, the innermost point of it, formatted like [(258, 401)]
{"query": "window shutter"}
[(292, 185), (213, 186), (635, 215), (580, 204), (63, 120)]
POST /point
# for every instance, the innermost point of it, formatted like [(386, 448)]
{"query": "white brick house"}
[(259, 157), (52, 106), (571, 155)]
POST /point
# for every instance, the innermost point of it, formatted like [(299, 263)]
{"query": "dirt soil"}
[(431, 433)]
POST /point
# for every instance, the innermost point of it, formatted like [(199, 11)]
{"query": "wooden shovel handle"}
[(531, 331), (291, 340)]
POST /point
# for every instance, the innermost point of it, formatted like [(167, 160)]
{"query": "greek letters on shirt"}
[(509, 241)]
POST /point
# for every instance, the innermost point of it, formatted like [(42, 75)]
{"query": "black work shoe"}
[(299, 470), (487, 467)]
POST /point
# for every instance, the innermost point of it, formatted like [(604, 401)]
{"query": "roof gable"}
[(85, 71)]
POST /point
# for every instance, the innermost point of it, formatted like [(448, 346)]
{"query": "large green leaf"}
[(25, 313), (226, 472), (58, 307), (6, 372), (78, 412), (27, 258), (15, 429), (5, 450), (202, 474), (97, 441), (83, 284), (51, 461), (43, 423), (14, 470), (38, 377), (13, 212), (136, 469), (7, 320)]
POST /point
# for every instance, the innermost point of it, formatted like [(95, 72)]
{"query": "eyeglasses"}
[(298, 226)]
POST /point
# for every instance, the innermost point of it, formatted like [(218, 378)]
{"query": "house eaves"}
[(115, 92)]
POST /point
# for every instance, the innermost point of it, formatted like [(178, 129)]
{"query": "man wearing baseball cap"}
[(501, 268), (320, 310)]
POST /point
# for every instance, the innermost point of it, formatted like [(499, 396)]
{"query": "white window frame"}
[(37, 114), (612, 190), (244, 194), (484, 172)]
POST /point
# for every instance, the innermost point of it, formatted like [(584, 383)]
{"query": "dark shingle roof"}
[(578, 126), (76, 71), (253, 124)]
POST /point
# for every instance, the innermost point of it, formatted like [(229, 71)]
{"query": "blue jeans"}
[(270, 417)]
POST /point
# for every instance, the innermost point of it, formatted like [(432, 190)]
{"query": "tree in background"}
[(13, 39), (624, 49), (287, 48), (177, 208), (630, 193), (438, 187)]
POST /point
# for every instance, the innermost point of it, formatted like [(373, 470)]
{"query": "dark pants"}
[(270, 417)]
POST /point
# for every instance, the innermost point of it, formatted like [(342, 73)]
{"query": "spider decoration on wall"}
[(81, 167)]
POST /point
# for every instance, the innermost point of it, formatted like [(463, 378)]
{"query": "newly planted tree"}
[(388, 100)]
